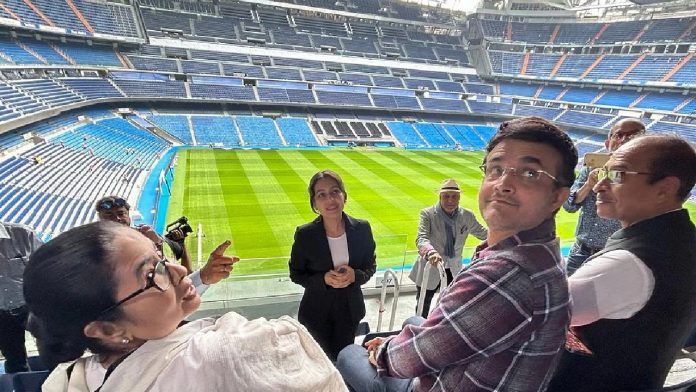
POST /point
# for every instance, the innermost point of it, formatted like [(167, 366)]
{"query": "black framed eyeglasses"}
[(494, 172), (159, 278), (616, 176), (112, 203)]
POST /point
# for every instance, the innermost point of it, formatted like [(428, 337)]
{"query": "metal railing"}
[(424, 285), (383, 298)]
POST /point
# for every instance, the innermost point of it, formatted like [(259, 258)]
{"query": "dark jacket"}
[(310, 259), (636, 353)]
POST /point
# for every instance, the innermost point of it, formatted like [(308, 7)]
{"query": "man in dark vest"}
[(634, 302)]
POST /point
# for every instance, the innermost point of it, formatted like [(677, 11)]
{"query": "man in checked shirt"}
[(501, 324)]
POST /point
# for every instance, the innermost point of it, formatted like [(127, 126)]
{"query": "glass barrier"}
[(266, 277)]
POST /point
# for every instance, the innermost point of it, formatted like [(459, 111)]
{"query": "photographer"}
[(117, 209), (592, 231)]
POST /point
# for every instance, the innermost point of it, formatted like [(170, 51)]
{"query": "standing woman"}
[(331, 258)]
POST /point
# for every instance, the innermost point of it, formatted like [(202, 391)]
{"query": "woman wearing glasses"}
[(331, 258), (105, 288)]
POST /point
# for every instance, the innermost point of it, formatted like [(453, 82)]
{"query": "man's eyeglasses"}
[(626, 135), (159, 278), (616, 176), (112, 203), (494, 172)]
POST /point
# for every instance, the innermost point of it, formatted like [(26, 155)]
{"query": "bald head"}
[(623, 131)]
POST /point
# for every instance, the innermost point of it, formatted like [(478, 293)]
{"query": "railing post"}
[(424, 284), (383, 298)]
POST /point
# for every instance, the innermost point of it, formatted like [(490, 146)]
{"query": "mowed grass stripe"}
[(431, 174), (204, 200), (461, 166), (386, 200), (251, 232), (276, 205), (285, 167)]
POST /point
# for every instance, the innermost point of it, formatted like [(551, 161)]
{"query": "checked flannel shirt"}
[(499, 326)]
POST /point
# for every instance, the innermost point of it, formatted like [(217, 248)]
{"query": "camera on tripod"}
[(179, 229)]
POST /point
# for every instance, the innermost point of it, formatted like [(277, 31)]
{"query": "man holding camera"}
[(117, 209), (592, 231), (17, 243)]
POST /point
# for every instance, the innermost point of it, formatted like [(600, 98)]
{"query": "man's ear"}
[(561, 195), (668, 189), (106, 331)]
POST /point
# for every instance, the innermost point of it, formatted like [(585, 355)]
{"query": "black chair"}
[(23, 381), (29, 381), (36, 364), (6, 383)]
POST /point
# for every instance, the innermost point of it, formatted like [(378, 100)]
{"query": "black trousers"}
[(12, 324), (429, 295), (336, 332)]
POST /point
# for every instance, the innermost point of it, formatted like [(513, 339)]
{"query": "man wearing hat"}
[(442, 233)]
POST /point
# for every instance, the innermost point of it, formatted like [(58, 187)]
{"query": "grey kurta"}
[(431, 235)]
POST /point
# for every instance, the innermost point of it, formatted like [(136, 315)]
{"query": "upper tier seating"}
[(99, 17), (581, 33)]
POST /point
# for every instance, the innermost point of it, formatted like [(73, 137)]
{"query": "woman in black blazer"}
[(332, 256)]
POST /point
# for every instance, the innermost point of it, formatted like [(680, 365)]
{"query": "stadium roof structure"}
[(602, 9)]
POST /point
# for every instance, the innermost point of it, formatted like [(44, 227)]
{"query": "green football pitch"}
[(256, 198)]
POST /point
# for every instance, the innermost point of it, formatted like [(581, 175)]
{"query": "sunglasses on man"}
[(112, 203)]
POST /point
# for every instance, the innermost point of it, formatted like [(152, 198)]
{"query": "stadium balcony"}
[(406, 134), (151, 88), (653, 67), (579, 95), (30, 51), (435, 135), (521, 90), (541, 64), (551, 93), (539, 111), (583, 119), (48, 92), (687, 73), (259, 131), (117, 20), (617, 98), (91, 88), (450, 104), (176, 125), (686, 131), (465, 136), (490, 107), (667, 102), (296, 132), (286, 95), (45, 50), (215, 130), (396, 101), (574, 65)]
